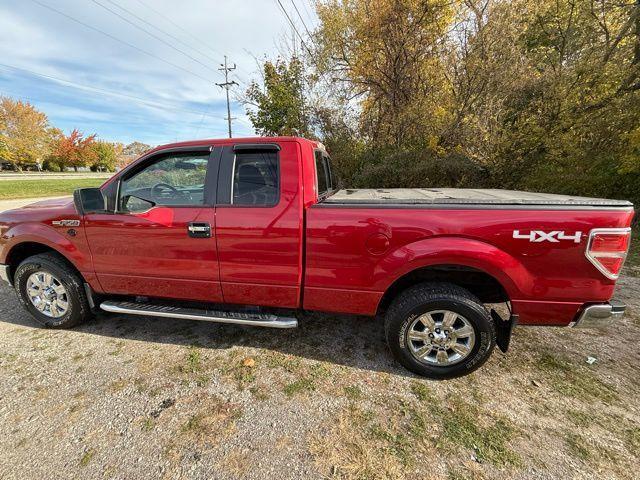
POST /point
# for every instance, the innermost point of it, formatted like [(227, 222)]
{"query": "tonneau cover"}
[(462, 196)]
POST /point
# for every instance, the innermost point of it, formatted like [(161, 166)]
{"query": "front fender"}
[(462, 251), (73, 249)]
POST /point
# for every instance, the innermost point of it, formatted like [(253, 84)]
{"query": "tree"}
[(24, 132), (550, 97), (4, 149), (385, 54), (538, 94), (136, 149), (278, 106), (75, 150), (106, 157)]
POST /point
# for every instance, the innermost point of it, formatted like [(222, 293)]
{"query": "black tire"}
[(78, 306), (428, 297)]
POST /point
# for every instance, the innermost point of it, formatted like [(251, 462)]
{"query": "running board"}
[(240, 318)]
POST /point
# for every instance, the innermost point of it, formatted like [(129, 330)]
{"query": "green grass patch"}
[(423, 393), (194, 424), (490, 443), (353, 392), (580, 418), (11, 189), (632, 439), (192, 361), (299, 386), (401, 434), (289, 363), (86, 458), (308, 380), (577, 446), (569, 380)]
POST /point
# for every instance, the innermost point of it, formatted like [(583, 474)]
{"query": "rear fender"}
[(459, 251)]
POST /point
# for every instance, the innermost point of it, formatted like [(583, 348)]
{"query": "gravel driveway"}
[(141, 398)]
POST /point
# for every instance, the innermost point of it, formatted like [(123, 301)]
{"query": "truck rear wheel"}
[(51, 291), (439, 330)]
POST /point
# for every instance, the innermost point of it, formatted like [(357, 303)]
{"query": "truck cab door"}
[(259, 224), (157, 239)]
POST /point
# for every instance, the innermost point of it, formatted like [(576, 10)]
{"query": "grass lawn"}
[(10, 189)]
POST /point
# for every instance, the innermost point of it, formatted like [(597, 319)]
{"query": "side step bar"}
[(240, 318)]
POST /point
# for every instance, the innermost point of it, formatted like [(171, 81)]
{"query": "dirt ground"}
[(140, 398)]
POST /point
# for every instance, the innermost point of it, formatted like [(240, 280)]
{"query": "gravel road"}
[(140, 398)]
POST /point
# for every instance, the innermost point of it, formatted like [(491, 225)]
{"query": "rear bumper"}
[(600, 315), (5, 274)]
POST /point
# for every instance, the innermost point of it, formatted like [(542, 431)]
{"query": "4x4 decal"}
[(554, 236)]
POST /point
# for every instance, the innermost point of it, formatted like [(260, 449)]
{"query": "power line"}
[(200, 52), (294, 27), (119, 40), (301, 19), (227, 85), (183, 30), (133, 117), (304, 6), (160, 14), (151, 34), (106, 92)]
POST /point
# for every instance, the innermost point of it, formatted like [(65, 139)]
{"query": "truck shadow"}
[(351, 341)]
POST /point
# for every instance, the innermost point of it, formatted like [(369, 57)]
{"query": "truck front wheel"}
[(439, 330), (51, 291)]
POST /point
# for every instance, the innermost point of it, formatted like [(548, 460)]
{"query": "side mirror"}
[(89, 200)]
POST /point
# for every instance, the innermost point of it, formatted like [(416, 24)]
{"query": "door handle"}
[(199, 230)]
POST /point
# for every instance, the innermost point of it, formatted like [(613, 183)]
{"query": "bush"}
[(50, 166), (419, 169)]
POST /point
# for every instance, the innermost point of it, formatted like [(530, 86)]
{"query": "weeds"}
[(86, 457), (577, 446), (632, 439), (352, 392), (192, 361), (148, 424), (422, 392), (301, 385), (308, 382), (575, 382)]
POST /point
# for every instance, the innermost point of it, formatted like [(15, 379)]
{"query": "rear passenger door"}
[(259, 224)]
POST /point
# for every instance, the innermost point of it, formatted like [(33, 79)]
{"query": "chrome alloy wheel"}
[(441, 338), (47, 294)]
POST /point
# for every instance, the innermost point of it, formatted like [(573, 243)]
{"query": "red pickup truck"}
[(248, 231)]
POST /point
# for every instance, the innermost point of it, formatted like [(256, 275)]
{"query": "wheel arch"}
[(23, 250), (469, 262), (477, 281)]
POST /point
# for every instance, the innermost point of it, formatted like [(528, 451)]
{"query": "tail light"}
[(607, 249)]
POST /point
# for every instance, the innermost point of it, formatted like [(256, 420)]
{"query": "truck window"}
[(176, 180), (323, 174), (256, 179)]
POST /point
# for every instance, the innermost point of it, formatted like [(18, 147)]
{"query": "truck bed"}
[(442, 197)]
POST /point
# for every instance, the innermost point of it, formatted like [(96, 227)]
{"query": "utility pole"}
[(227, 85)]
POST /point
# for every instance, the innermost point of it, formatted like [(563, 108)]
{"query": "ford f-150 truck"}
[(249, 231)]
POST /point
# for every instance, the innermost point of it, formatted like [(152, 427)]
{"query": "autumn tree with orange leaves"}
[(74, 150), (25, 133)]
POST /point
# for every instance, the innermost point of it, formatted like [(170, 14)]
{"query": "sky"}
[(89, 64)]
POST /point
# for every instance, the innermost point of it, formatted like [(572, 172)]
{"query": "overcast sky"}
[(166, 79)]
